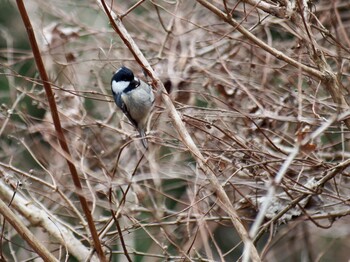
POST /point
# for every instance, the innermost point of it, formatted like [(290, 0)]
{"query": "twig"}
[(58, 127), (131, 8), (268, 8), (278, 179), (225, 202), (122, 241), (52, 225), (25, 233), (278, 54)]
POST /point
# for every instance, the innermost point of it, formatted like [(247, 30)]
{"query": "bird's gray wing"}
[(120, 102)]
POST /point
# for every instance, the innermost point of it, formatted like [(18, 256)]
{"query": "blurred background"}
[(246, 109)]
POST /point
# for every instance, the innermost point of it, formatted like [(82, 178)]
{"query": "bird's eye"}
[(137, 81)]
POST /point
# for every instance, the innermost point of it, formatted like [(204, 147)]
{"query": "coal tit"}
[(134, 97)]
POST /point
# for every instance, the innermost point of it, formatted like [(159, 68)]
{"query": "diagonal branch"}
[(278, 54), (185, 137), (325, 74), (23, 231), (58, 127), (29, 211)]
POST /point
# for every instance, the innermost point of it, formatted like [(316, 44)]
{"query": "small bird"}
[(134, 97)]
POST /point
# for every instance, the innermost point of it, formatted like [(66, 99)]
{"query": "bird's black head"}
[(123, 74), (124, 81)]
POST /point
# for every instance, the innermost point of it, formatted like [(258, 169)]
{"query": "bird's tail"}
[(143, 138)]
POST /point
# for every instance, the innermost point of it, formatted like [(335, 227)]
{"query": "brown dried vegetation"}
[(255, 150)]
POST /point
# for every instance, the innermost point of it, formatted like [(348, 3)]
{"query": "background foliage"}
[(273, 130)]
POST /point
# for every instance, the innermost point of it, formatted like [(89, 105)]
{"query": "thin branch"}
[(24, 232), (325, 73), (56, 230), (225, 202), (278, 54), (58, 127)]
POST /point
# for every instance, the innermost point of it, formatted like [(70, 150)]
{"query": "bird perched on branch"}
[(134, 97)]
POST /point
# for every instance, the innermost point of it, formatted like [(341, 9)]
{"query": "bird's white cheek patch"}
[(118, 87)]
